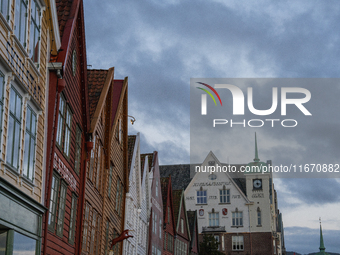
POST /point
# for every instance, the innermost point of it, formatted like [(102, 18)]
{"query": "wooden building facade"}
[(28, 31), (182, 242), (67, 127), (106, 183), (169, 227)]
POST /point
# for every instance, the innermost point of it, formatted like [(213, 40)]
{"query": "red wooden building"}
[(107, 170), (182, 242), (67, 127), (169, 227)]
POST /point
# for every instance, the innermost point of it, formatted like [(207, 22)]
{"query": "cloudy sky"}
[(160, 45)]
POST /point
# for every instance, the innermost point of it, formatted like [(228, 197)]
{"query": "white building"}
[(136, 211), (235, 203)]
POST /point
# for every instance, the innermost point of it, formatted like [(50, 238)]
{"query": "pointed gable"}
[(165, 194), (180, 213), (95, 81), (131, 146), (118, 87), (63, 10), (193, 229)]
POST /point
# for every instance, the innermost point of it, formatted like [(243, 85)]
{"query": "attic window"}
[(212, 177), (74, 62)]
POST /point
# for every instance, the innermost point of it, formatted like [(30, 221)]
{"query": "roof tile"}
[(63, 11), (96, 80)]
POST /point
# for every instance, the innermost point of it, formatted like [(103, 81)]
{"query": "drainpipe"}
[(250, 238), (60, 86)]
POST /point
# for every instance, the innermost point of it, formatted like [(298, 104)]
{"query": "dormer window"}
[(212, 177)]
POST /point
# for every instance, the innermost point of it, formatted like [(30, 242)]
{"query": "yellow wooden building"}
[(29, 34)]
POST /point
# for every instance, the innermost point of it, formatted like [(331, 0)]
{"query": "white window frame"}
[(224, 196), (259, 217), (32, 136), (237, 219), (18, 120), (237, 243), (214, 219), (6, 15), (38, 26), (17, 26), (202, 196)]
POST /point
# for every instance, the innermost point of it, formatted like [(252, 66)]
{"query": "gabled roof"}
[(164, 188), (63, 11), (177, 198), (142, 161), (180, 175), (192, 220), (95, 81), (117, 91), (178, 201), (131, 146)]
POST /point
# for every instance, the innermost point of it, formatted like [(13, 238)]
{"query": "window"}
[(107, 237), (21, 20), (182, 225), (160, 228), (110, 181), (13, 143), (73, 219), (222, 244), (53, 201), (2, 86), (237, 243), (78, 150), (214, 219), (120, 131), (170, 243), (61, 212), (258, 216), (168, 214), (30, 137), (67, 136), (34, 32), (156, 188), (201, 197), (4, 8), (224, 195), (92, 158), (119, 196), (165, 239), (93, 231), (212, 177), (85, 226), (98, 165), (217, 238), (156, 224), (98, 234), (64, 126), (237, 218)]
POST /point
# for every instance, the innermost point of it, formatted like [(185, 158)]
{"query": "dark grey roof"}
[(181, 175)]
